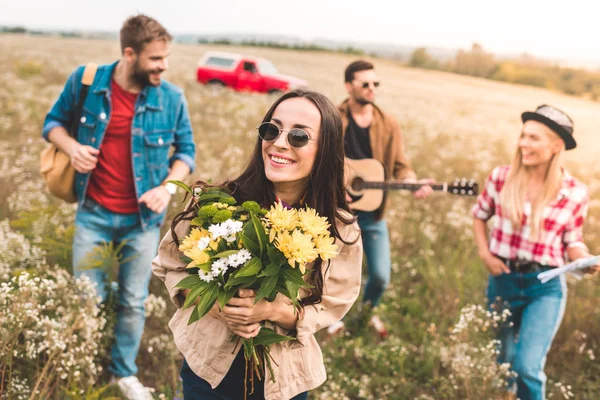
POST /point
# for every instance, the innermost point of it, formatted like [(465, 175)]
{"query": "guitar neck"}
[(413, 187)]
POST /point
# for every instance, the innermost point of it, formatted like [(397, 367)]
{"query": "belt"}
[(524, 266)]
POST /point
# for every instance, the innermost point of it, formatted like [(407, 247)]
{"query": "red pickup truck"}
[(244, 73)]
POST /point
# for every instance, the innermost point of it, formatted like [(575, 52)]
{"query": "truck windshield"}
[(267, 68)]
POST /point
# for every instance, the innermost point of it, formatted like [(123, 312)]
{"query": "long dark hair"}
[(325, 191)]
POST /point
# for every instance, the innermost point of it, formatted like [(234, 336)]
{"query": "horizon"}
[(513, 29)]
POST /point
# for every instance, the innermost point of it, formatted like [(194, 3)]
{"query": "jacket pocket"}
[(157, 145), (87, 127)]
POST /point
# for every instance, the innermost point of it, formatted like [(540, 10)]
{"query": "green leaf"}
[(194, 316), (268, 336), (292, 289), (271, 270), (208, 299), (205, 266), (186, 259), (212, 195), (242, 282), (183, 186), (196, 291), (249, 244), (259, 229), (276, 256), (266, 287), (294, 275), (189, 282), (224, 296), (226, 253), (252, 268)]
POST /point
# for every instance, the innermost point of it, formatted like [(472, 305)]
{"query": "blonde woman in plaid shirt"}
[(540, 210)]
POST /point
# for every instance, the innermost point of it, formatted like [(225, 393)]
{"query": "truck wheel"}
[(215, 83)]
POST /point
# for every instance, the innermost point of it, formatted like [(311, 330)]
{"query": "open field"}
[(453, 126)]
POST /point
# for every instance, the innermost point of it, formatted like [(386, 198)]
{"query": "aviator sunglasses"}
[(365, 85), (296, 137)]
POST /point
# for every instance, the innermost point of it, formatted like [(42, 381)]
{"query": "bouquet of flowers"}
[(231, 246)]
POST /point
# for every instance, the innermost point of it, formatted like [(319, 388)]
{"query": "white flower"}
[(232, 226), (245, 255), (206, 276), (203, 243), (234, 260), (239, 258), (217, 231), (230, 238), (219, 266)]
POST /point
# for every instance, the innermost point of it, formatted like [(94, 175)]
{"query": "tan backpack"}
[(55, 165)]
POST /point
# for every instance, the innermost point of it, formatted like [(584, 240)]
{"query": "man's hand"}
[(84, 158), (156, 199), (425, 190)]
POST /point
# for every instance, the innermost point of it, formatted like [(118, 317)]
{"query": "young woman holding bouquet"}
[(298, 161), (540, 211)]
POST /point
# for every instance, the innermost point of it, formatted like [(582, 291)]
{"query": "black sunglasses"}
[(365, 85), (296, 137)]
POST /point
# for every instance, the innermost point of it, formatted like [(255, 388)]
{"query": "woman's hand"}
[(242, 310), (494, 265)]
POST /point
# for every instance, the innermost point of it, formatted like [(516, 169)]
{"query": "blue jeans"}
[(230, 388), (376, 246), (95, 226), (537, 311)]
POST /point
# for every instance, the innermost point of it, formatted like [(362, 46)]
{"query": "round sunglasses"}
[(296, 137)]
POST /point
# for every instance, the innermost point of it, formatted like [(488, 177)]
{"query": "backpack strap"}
[(89, 73)]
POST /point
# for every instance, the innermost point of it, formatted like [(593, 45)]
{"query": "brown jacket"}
[(207, 344), (386, 144)]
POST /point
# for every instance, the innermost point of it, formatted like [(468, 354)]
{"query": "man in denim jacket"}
[(129, 121)]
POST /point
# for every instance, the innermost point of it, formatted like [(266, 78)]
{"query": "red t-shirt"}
[(111, 183)]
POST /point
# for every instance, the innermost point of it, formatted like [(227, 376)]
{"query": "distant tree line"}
[(283, 46), (525, 70)]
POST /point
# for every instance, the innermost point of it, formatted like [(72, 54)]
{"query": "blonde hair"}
[(514, 192)]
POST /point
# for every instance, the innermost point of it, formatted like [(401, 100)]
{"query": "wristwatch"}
[(171, 187)]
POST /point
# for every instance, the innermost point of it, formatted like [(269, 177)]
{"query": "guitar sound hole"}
[(357, 184)]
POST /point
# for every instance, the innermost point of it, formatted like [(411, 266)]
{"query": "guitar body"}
[(358, 171)]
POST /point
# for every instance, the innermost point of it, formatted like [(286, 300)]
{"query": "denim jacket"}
[(161, 120)]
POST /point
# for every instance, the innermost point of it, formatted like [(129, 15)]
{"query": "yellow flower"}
[(312, 223), (297, 247), (281, 219), (191, 241), (195, 238), (198, 258), (324, 244)]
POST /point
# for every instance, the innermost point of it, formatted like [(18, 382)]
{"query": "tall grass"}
[(453, 127)]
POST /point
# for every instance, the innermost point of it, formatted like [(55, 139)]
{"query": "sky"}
[(566, 30)]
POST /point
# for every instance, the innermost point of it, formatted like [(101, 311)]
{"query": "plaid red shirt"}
[(562, 222)]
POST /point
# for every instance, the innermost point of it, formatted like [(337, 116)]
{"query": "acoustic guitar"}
[(365, 182)]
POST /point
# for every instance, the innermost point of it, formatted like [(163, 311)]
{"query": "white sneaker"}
[(379, 326), (133, 389), (335, 328)]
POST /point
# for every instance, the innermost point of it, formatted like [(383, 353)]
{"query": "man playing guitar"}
[(371, 133)]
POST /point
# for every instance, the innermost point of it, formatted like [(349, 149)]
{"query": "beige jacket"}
[(386, 144), (207, 344)]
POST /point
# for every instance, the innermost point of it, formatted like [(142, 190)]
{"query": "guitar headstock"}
[(464, 187)]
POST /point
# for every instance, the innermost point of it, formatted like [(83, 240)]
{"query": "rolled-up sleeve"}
[(167, 265), (61, 113), (185, 149), (340, 288), (485, 207), (573, 233)]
